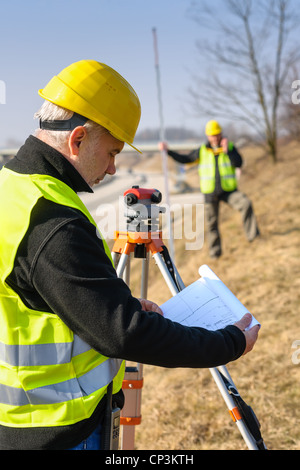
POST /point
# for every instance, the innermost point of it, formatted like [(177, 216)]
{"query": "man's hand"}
[(163, 146), (250, 335), (149, 306), (224, 144)]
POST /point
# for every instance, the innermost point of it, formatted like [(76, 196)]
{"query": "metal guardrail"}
[(151, 147), (183, 146), (7, 153)]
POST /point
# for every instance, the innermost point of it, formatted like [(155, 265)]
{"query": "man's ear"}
[(75, 139)]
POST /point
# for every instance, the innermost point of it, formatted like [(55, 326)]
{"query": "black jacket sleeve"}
[(191, 157), (235, 158), (71, 276)]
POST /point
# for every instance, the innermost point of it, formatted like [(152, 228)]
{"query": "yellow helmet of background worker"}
[(99, 93), (213, 128)]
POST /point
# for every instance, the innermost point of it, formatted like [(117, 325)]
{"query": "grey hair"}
[(58, 139)]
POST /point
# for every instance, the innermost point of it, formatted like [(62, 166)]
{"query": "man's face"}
[(215, 140), (97, 157)]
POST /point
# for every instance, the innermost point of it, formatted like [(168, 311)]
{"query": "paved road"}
[(109, 191)]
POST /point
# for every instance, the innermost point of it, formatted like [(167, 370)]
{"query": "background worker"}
[(67, 321), (218, 160)]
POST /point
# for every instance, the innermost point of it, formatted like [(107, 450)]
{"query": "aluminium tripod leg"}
[(252, 443), (165, 273), (133, 379), (123, 262), (237, 418)]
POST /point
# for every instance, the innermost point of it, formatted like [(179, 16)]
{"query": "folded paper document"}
[(206, 303)]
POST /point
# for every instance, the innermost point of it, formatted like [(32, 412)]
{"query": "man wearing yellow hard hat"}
[(218, 161), (67, 321)]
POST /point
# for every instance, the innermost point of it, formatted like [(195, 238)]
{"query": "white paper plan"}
[(207, 303)]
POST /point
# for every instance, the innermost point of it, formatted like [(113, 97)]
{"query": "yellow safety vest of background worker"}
[(207, 164), (217, 162)]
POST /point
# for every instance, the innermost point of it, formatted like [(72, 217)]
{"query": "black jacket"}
[(61, 267)]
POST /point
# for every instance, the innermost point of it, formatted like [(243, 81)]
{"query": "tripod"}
[(143, 243)]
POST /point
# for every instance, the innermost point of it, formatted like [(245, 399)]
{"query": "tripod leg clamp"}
[(244, 412), (131, 414), (132, 384), (235, 414)]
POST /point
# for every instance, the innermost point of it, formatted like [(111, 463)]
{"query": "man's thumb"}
[(244, 322)]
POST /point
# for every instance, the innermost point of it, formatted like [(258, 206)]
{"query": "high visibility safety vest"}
[(48, 375), (207, 170)]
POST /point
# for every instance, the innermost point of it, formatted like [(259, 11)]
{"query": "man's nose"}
[(111, 169)]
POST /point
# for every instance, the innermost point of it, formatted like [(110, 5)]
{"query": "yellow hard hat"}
[(213, 128), (99, 93)]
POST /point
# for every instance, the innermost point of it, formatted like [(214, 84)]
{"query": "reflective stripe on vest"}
[(207, 170), (48, 375), (78, 387)]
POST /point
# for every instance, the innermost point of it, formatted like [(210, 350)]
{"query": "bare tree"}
[(290, 119), (251, 54)]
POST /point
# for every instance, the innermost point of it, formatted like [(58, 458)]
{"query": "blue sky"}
[(41, 37)]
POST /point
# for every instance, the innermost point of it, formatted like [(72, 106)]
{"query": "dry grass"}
[(182, 408)]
